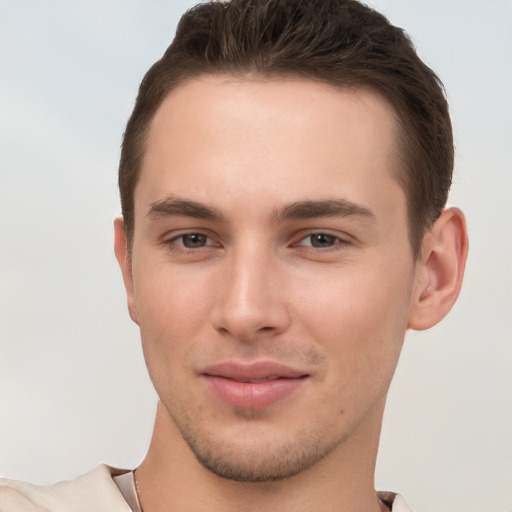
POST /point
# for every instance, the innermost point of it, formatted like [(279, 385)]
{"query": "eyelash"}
[(174, 246), (337, 242)]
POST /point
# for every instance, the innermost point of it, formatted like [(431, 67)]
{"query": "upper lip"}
[(266, 370)]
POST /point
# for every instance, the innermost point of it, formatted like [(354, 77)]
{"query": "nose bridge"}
[(250, 299)]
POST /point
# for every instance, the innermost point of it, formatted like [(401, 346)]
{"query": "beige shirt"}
[(102, 489)]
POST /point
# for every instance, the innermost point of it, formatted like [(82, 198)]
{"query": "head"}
[(283, 179), (343, 43)]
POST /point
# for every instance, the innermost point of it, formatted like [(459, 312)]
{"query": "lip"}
[(252, 386)]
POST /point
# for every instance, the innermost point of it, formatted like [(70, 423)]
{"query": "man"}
[(283, 180)]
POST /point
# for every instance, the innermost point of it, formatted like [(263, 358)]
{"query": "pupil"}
[(194, 240), (322, 240)]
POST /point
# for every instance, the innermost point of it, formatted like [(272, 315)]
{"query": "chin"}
[(256, 459), (272, 465)]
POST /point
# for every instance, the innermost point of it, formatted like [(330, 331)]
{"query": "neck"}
[(171, 478)]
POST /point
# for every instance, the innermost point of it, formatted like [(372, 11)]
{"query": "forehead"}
[(221, 137)]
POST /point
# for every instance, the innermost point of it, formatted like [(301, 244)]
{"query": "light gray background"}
[(73, 385)]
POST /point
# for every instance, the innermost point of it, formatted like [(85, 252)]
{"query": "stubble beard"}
[(255, 462)]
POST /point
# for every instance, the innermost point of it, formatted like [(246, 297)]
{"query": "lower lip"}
[(251, 395)]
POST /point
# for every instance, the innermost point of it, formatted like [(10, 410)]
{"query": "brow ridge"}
[(299, 210), (302, 210), (174, 205)]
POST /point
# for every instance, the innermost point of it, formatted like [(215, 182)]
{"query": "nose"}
[(251, 298)]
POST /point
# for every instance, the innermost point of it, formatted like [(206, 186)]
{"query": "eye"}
[(190, 243), (321, 241), (193, 240)]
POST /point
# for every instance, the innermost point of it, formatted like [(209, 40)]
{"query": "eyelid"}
[(343, 239), (171, 240), (183, 235)]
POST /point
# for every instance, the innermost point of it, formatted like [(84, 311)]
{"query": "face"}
[(271, 270)]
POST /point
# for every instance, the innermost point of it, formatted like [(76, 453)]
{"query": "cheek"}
[(359, 321), (173, 308)]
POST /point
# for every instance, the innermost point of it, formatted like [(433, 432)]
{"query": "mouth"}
[(252, 386), (266, 379)]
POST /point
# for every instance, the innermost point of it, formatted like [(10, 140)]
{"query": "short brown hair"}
[(340, 42)]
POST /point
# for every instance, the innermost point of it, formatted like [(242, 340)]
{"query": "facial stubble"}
[(257, 464)]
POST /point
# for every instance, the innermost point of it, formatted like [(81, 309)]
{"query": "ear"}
[(440, 270), (125, 263)]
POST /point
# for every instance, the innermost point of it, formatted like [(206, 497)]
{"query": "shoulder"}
[(393, 500), (92, 491)]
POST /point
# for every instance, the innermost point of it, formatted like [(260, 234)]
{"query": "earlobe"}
[(440, 270), (125, 263)]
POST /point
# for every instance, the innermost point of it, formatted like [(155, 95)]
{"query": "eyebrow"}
[(173, 205), (302, 210)]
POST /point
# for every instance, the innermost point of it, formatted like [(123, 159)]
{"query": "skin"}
[(326, 290)]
